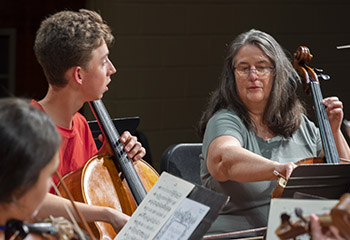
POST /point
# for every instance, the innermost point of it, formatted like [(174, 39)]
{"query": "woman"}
[(29, 144), (29, 157), (255, 124)]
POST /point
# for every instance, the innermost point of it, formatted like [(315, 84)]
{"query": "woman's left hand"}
[(334, 109)]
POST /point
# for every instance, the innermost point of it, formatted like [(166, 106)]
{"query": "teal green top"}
[(249, 202)]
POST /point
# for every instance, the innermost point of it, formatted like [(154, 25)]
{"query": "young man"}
[(72, 48)]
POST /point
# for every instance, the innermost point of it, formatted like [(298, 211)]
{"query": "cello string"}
[(324, 139), (107, 127), (69, 212), (70, 197), (328, 142), (325, 129), (329, 134)]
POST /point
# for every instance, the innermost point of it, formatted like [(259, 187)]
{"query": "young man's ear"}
[(78, 74)]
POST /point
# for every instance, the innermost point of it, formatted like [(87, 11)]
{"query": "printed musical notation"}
[(184, 221), (165, 213)]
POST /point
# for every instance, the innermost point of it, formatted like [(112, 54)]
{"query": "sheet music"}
[(184, 221), (286, 205), (155, 210)]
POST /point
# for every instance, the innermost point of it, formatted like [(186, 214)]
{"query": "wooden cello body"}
[(111, 178)]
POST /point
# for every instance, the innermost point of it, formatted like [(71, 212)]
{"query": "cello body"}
[(105, 179)]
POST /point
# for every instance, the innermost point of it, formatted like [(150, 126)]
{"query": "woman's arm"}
[(54, 205), (227, 160)]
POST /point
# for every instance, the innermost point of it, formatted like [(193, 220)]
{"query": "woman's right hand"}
[(285, 169)]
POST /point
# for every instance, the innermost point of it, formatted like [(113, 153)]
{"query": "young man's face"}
[(97, 75)]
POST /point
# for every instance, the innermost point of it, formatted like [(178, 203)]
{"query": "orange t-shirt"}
[(77, 145)]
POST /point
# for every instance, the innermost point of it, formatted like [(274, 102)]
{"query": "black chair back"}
[(182, 160)]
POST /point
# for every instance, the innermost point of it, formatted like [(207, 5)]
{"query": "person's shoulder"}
[(306, 121), (78, 118), (228, 114), (307, 125), (226, 111), (225, 118), (36, 104)]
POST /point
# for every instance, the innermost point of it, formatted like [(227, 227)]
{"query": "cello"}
[(312, 87), (339, 217), (110, 178)]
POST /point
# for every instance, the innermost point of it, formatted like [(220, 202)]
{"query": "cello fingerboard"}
[(111, 133), (329, 146)]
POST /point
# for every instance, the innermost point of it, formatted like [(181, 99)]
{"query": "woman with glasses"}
[(255, 124)]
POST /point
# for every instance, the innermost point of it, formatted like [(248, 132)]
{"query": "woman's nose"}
[(253, 74)]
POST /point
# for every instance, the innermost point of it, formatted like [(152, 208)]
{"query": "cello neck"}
[(112, 136), (328, 143), (301, 57)]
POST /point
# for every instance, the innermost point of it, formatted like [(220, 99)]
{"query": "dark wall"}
[(169, 53), (25, 17)]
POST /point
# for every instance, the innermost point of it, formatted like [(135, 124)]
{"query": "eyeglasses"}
[(261, 71)]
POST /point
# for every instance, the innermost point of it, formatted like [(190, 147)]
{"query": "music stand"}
[(214, 200), (322, 180)]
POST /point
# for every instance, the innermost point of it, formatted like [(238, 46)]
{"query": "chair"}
[(182, 160)]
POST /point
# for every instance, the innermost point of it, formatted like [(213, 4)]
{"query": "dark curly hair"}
[(67, 39)]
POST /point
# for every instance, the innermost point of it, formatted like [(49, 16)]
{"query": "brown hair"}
[(283, 111), (67, 39)]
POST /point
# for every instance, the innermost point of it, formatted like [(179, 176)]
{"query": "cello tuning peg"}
[(323, 76), (318, 70), (299, 214), (320, 74)]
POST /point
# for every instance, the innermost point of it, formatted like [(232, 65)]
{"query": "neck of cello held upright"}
[(328, 143), (110, 132)]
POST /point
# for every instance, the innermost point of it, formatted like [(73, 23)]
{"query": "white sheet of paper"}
[(283, 205), (184, 221), (157, 207)]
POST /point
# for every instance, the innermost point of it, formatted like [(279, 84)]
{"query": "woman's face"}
[(254, 77), (30, 202)]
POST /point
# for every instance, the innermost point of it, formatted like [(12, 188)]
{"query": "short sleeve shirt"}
[(249, 202), (77, 145)]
